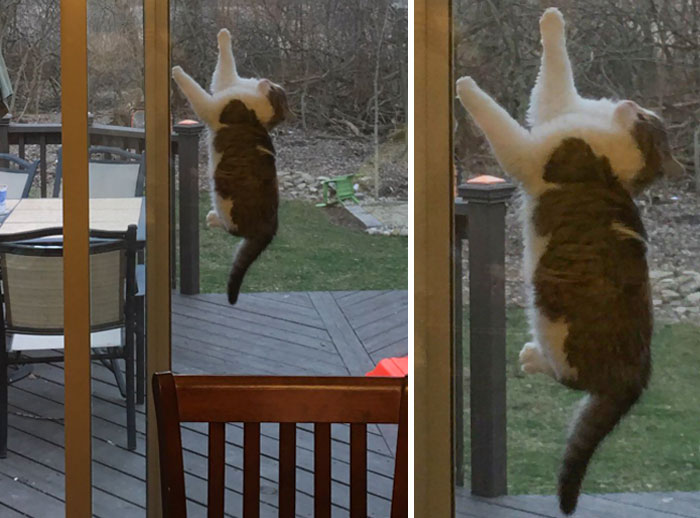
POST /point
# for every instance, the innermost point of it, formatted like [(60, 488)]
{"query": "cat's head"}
[(649, 131), (267, 100)]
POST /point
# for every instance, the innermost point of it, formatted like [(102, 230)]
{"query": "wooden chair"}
[(114, 173), (31, 318), (17, 174), (286, 400)]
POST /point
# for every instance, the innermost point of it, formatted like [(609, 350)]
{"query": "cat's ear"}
[(626, 113), (278, 100)]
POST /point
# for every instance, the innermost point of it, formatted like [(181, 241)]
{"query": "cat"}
[(579, 166), (242, 174)]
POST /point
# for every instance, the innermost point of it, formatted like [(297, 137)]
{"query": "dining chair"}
[(253, 400), (17, 174), (114, 173), (31, 319)]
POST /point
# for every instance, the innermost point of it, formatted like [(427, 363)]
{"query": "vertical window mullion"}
[(76, 273)]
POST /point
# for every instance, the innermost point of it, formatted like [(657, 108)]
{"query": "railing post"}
[(188, 132), (5, 133), (5, 136), (460, 234), (486, 199)]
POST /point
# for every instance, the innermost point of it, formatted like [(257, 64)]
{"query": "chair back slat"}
[(399, 500), (253, 400), (217, 474), (251, 470), (287, 470), (322, 470), (358, 470), (172, 473)]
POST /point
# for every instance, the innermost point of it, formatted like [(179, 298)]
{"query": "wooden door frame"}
[(74, 108), (158, 243), (433, 234)]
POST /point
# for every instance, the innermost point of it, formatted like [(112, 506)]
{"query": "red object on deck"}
[(486, 179), (394, 367)]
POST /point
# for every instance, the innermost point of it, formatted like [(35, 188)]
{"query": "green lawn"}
[(655, 448), (309, 253)]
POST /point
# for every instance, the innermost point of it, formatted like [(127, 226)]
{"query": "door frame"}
[(75, 142), (433, 233)]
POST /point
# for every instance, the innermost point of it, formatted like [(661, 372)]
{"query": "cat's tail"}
[(597, 416), (247, 252)]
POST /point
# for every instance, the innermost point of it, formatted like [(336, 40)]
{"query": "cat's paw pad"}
[(213, 219), (531, 360), (552, 24), (224, 37), (466, 84), (177, 72)]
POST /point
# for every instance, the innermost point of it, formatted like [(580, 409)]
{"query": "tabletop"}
[(105, 214)]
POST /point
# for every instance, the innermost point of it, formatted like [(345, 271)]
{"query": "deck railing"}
[(185, 146), (480, 217)]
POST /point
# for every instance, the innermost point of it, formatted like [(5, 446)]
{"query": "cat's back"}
[(593, 272)]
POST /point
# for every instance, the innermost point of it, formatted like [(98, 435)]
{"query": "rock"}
[(694, 298), (681, 310), (667, 295), (691, 286), (668, 281), (657, 302), (691, 273), (657, 275)]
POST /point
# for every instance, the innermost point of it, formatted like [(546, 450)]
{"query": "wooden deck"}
[(317, 333), (615, 505)]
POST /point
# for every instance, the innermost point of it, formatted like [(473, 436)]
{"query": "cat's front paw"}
[(177, 72), (466, 86), (552, 25), (213, 220), (531, 359), (224, 38)]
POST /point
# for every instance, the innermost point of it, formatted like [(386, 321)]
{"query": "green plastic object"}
[(343, 187)]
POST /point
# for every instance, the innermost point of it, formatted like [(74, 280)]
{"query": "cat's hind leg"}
[(225, 73), (201, 102), (533, 361), (509, 140), (554, 92)]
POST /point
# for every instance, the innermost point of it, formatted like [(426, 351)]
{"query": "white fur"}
[(556, 112), (226, 85)]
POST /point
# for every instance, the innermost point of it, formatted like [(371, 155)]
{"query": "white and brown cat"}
[(238, 114), (585, 265)]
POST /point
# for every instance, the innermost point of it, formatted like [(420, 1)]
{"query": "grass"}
[(655, 448), (309, 253)]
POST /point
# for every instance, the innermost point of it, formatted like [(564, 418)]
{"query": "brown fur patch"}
[(278, 100), (651, 137), (245, 174), (592, 276)]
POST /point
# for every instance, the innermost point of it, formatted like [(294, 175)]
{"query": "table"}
[(105, 214)]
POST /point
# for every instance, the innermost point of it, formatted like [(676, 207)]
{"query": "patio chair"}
[(31, 320), (286, 400), (114, 173), (17, 174), (343, 187)]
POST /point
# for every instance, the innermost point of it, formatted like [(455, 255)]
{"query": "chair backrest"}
[(17, 174), (32, 280), (114, 173), (286, 400)]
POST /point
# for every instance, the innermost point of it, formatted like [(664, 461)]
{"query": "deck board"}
[(615, 505), (265, 333)]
